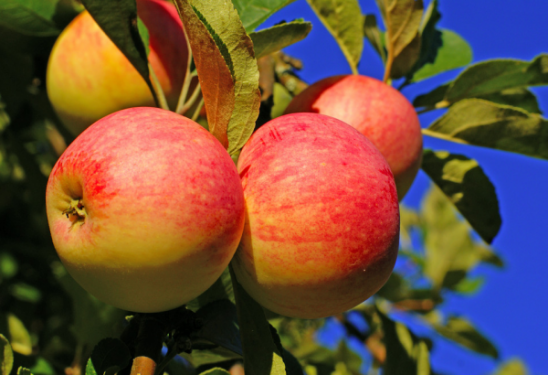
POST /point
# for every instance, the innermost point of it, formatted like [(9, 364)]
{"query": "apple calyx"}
[(76, 211)]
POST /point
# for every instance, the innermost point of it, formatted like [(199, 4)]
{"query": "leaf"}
[(405, 352), (469, 285), (109, 353), (29, 17), (6, 355), (20, 339), (279, 36), (118, 19), (406, 60), (374, 35), (464, 333), (496, 75), (344, 20), (93, 319), (282, 97), (218, 355), (516, 97), (402, 19), (454, 53), (221, 289), (220, 326), (512, 367), (219, 41), (215, 371), (467, 187), (262, 355), (90, 370), (450, 250), (483, 123), (23, 371), (254, 12), (433, 99), (431, 39)]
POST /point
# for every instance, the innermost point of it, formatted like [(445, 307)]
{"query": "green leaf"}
[(402, 19), (454, 53), (254, 12), (215, 371), (469, 285), (466, 185), (19, 337), (512, 367), (118, 19), (143, 32), (210, 357), (221, 289), (23, 371), (344, 20), (30, 17), (8, 264), (220, 326), (93, 319), (516, 97), (282, 97), (109, 353), (483, 123), (279, 36), (464, 333), (90, 369), (25, 292), (6, 355), (431, 39), (405, 352), (219, 41), (374, 35), (450, 250), (433, 99), (262, 355), (496, 75)]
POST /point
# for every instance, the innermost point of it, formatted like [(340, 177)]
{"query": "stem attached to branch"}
[(188, 78), (191, 101), (158, 89)]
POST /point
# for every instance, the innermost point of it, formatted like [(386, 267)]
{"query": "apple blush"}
[(145, 209)]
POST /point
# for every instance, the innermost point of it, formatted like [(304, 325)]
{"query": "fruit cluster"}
[(146, 208)]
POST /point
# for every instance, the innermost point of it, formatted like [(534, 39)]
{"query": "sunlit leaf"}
[(344, 20), (20, 339), (118, 19), (483, 123), (260, 350), (215, 371), (466, 185), (374, 35), (454, 53), (6, 356), (512, 367), (279, 36), (255, 12)]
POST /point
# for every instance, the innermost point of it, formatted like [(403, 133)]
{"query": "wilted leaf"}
[(109, 353), (402, 19), (464, 333), (453, 53), (344, 20), (231, 95), (118, 19), (262, 355), (450, 250), (254, 12), (483, 123), (405, 352), (6, 356), (279, 36), (466, 185), (374, 35)]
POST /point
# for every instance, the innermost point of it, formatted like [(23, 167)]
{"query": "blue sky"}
[(511, 307)]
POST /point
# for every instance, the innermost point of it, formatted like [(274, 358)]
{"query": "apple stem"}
[(162, 101), (191, 101), (188, 77), (198, 109)]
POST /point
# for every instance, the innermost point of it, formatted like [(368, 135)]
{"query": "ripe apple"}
[(145, 209), (322, 222), (378, 111), (88, 77)]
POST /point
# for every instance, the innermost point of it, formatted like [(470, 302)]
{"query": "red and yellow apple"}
[(378, 111), (145, 209), (88, 77), (322, 217)]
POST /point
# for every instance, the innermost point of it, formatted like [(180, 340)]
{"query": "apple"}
[(88, 77), (378, 111), (322, 222), (145, 209)]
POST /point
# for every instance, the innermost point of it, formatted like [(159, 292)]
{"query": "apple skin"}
[(88, 77), (322, 217), (163, 209), (378, 111)]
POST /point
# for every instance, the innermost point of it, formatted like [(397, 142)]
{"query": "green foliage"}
[(6, 355), (343, 19), (254, 12), (279, 36)]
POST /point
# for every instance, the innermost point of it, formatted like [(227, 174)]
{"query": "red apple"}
[(88, 77), (378, 111), (322, 222), (145, 209)]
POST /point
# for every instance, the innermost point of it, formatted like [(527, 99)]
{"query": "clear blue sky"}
[(511, 307)]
